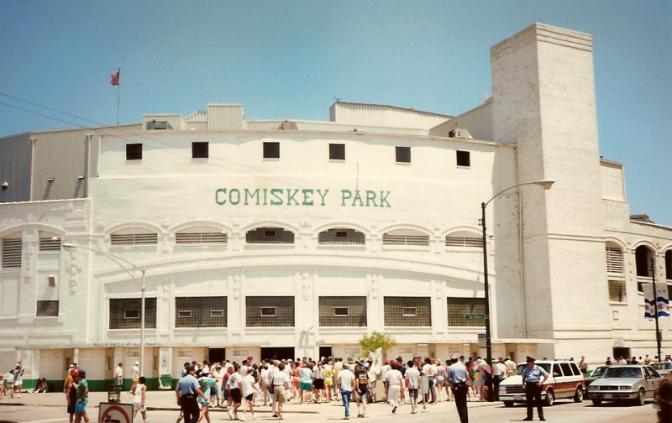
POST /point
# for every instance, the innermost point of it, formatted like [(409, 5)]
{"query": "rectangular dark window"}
[(125, 313), (463, 158), (271, 150), (408, 311), (11, 253), (342, 311), (47, 308), (336, 151), (466, 311), (200, 150), (403, 154), (200, 312), (269, 311), (133, 151)]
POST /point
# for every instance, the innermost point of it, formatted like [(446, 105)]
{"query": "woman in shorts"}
[(280, 385), (82, 398), (235, 391), (139, 391), (205, 383)]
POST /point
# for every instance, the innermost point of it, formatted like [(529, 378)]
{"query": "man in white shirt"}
[(510, 367), (429, 371), (395, 386), (346, 382), (119, 374), (135, 373), (412, 379), (498, 374)]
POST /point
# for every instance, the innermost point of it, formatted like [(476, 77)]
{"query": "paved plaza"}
[(50, 408)]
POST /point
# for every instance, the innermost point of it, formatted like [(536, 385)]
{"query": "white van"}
[(564, 381)]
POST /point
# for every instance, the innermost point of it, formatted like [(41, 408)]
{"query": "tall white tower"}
[(544, 102)]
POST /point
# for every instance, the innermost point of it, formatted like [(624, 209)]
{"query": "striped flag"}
[(115, 78), (661, 298)]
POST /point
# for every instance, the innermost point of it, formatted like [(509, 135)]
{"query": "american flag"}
[(115, 78)]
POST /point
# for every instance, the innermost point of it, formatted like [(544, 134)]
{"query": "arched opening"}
[(668, 266), (341, 236), (615, 270), (614, 258), (269, 235), (49, 241), (643, 262), (134, 236), (200, 235), (10, 253), (464, 239), (405, 237)]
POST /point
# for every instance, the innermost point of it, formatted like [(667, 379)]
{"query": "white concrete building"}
[(295, 238)]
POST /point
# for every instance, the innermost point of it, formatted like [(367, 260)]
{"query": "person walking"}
[(395, 386), (361, 389), (119, 374), (346, 382), (458, 377), (70, 391), (139, 391), (135, 373), (280, 381), (186, 391), (413, 384), (235, 391), (533, 379), (498, 375), (82, 398)]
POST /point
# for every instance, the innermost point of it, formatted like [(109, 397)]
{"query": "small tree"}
[(374, 341)]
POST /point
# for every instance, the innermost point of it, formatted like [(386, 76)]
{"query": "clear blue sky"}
[(292, 59)]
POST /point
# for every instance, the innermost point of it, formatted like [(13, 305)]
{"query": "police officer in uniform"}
[(458, 377), (533, 379)]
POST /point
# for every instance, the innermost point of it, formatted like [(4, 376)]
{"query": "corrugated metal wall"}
[(381, 115), (225, 116), (15, 166), (59, 159)]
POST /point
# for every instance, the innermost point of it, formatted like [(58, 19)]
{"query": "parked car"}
[(633, 383), (597, 373), (565, 381), (662, 368)]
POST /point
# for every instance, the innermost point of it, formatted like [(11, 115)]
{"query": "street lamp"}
[(546, 184), (129, 268)]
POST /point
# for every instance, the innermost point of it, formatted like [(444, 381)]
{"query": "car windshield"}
[(545, 366), (623, 372), (598, 371)]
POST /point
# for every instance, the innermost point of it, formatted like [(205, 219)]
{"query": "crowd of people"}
[(240, 387)]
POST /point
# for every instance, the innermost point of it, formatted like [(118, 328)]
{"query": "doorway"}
[(216, 355), (325, 352), (277, 353), (621, 352)]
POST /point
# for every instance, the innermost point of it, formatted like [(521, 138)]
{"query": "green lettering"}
[(276, 194), (220, 200), (322, 195), (383, 199), (235, 191), (249, 194), (291, 193), (346, 194), (307, 200), (371, 198), (358, 197), (265, 197)]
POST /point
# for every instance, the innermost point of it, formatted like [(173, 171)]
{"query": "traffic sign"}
[(114, 412), (474, 316)]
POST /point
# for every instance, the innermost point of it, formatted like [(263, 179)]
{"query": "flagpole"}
[(118, 88), (659, 337)]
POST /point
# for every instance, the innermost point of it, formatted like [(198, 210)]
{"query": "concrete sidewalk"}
[(165, 401)]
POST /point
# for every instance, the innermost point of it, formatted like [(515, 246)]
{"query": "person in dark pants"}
[(458, 377), (533, 379), (186, 391)]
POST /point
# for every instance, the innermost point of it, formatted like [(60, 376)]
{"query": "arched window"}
[(643, 256), (134, 236), (668, 266), (464, 239), (269, 235), (341, 236), (200, 235), (614, 258), (49, 241), (405, 237)]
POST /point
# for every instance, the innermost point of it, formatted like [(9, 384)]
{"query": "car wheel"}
[(550, 398), (641, 397), (578, 396), (508, 403), (597, 402)]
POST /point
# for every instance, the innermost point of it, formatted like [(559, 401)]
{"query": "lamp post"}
[(488, 338), (129, 268)]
